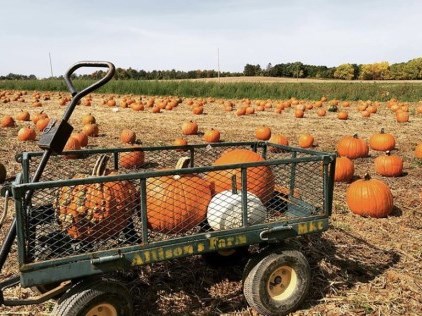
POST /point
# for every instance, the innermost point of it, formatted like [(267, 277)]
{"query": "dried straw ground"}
[(361, 266)]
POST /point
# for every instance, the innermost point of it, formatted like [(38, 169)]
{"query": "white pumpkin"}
[(225, 210)]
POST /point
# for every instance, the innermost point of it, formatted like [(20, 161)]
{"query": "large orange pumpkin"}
[(382, 141), (260, 180), (389, 165), (96, 211), (352, 147), (369, 197), (344, 169), (176, 204)]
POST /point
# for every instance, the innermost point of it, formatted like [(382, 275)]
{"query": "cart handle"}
[(76, 96)]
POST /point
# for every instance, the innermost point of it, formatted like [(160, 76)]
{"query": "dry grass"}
[(361, 266)]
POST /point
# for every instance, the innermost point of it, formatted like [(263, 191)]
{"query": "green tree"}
[(375, 71), (252, 70), (345, 72)]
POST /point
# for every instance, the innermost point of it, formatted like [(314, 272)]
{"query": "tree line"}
[(410, 70)]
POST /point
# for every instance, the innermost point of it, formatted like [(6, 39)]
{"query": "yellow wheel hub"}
[(282, 283), (103, 309)]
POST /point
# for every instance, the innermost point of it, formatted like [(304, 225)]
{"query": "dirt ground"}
[(360, 266)]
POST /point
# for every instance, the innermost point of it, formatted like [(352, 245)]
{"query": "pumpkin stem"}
[(182, 163), (355, 135), (367, 176), (388, 153), (382, 130), (100, 166), (234, 184)]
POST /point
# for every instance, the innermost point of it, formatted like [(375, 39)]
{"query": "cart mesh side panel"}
[(67, 220)]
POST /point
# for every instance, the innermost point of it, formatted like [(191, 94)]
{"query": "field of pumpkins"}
[(367, 263)]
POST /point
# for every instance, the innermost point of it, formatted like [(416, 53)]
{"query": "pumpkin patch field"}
[(368, 263)]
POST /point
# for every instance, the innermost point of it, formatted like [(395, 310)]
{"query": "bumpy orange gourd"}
[(352, 147), (344, 170), (369, 197), (382, 141), (176, 204), (96, 211), (389, 165), (260, 180)]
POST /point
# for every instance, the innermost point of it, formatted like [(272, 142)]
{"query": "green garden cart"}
[(81, 216)]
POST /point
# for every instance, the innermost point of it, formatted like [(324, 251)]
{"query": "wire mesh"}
[(68, 220)]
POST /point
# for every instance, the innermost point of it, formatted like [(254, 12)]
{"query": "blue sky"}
[(185, 34)]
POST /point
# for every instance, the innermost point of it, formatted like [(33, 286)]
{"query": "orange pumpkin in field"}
[(352, 147), (190, 128), (177, 203), (26, 133), (263, 133), (82, 138), (382, 141), (212, 136), (278, 139), (72, 144), (299, 113), (389, 165), (342, 115), (127, 136), (369, 197), (306, 140), (91, 130), (418, 151), (344, 170), (132, 159), (78, 206), (402, 116), (7, 121), (260, 180)]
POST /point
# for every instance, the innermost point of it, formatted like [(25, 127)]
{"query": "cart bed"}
[(51, 248)]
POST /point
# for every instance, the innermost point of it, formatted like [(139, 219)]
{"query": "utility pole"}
[(218, 63), (51, 65)]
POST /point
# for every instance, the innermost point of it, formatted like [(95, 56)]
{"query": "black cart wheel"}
[(100, 297), (226, 257), (278, 283)]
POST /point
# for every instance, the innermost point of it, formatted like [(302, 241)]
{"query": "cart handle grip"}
[(79, 95), (94, 86)]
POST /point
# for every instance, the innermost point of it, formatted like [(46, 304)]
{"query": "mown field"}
[(360, 266)]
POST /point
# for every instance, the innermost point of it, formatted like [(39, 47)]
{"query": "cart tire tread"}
[(86, 294), (255, 284)]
